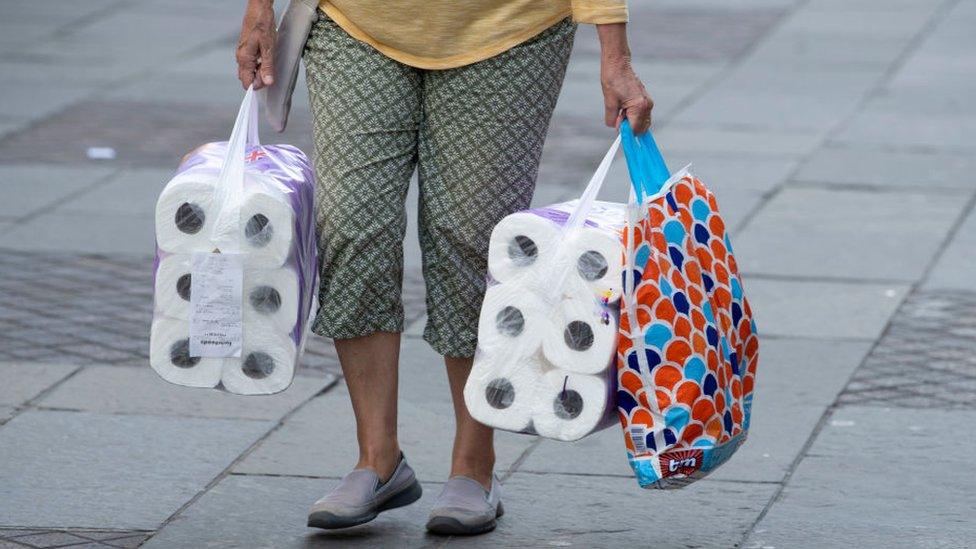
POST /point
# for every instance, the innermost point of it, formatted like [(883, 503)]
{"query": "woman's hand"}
[(624, 94), (255, 48)]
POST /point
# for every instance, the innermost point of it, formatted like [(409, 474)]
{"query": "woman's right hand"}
[(255, 48)]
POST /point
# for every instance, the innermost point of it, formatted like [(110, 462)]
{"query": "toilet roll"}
[(266, 364), (518, 243), (184, 214), (172, 286), (272, 296), (169, 355), (569, 406), (582, 335), (511, 318), (597, 258), (500, 391), (267, 227)]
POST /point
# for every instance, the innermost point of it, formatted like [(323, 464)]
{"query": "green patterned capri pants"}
[(474, 134)]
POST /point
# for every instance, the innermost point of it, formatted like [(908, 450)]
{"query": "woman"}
[(463, 91)]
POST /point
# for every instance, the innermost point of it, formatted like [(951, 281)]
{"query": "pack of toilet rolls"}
[(547, 334), (235, 264)]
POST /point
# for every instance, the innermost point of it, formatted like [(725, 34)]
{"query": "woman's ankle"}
[(479, 469), (383, 460)]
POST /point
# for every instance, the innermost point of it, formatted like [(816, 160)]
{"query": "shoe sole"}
[(329, 521), (450, 526)]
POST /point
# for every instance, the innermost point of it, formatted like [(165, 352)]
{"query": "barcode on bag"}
[(638, 435)]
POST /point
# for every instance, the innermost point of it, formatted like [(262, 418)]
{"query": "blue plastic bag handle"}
[(648, 171)]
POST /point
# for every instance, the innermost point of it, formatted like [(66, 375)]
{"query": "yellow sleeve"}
[(599, 12)]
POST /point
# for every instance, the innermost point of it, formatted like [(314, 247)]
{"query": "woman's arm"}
[(623, 92), (255, 48)]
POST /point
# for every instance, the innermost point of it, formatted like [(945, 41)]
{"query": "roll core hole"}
[(510, 321), (179, 355), (183, 286), (258, 365), (258, 230), (578, 335), (568, 405), (265, 299), (189, 218), (522, 250), (592, 265), (500, 393)]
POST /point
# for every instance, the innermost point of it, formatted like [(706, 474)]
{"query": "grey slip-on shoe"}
[(360, 497), (466, 508)]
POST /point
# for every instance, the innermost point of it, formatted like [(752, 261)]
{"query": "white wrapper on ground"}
[(268, 222), (582, 335), (519, 242), (271, 297), (266, 365), (569, 406), (185, 214), (172, 286), (169, 355), (500, 391), (511, 318)]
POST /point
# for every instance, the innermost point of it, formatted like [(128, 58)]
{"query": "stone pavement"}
[(839, 136)]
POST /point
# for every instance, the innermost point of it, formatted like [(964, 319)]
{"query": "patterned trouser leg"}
[(476, 135)]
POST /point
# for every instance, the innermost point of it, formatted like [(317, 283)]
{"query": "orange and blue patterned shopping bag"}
[(688, 346)]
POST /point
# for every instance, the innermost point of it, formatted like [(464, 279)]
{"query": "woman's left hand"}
[(624, 95)]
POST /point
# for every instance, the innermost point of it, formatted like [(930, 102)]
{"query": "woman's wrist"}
[(613, 43)]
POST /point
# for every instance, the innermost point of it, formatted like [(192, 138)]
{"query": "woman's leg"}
[(480, 143), (367, 111)]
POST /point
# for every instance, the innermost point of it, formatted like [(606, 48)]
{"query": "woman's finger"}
[(266, 69), (639, 114), (246, 63)]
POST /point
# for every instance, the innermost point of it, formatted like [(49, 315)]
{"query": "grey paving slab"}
[(797, 381), (110, 389), (26, 189), (130, 471), (726, 175), (6, 413), (844, 233), (819, 108), (918, 170), (22, 381), (822, 309), (737, 142), (956, 265), (130, 191), (828, 49), (320, 440), (538, 513), (903, 130), (854, 465), (27, 99), (66, 231)]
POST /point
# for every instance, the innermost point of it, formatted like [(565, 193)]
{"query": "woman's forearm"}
[(624, 95), (613, 42)]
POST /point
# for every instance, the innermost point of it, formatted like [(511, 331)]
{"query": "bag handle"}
[(648, 171), (229, 190)]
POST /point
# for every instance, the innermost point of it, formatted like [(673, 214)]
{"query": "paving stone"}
[(926, 358), (726, 175), (798, 379), (130, 191), (913, 169), (821, 309), (922, 503), (6, 413), (320, 439), (801, 50), (107, 389), (906, 130), (841, 233), (22, 381), (27, 189), (112, 464), (957, 262), (63, 231), (737, 142), (813, 109)]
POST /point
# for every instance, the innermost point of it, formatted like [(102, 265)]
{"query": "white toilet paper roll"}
[(569, 406), (172, 288), (582, 335), (598, 260), (266, 365), (518, 243), (184, 215), (267, 227), (500, 392), (272, 296), (511, 318), (169, 355)]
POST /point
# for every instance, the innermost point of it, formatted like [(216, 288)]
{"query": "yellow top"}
[(442, 34)]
